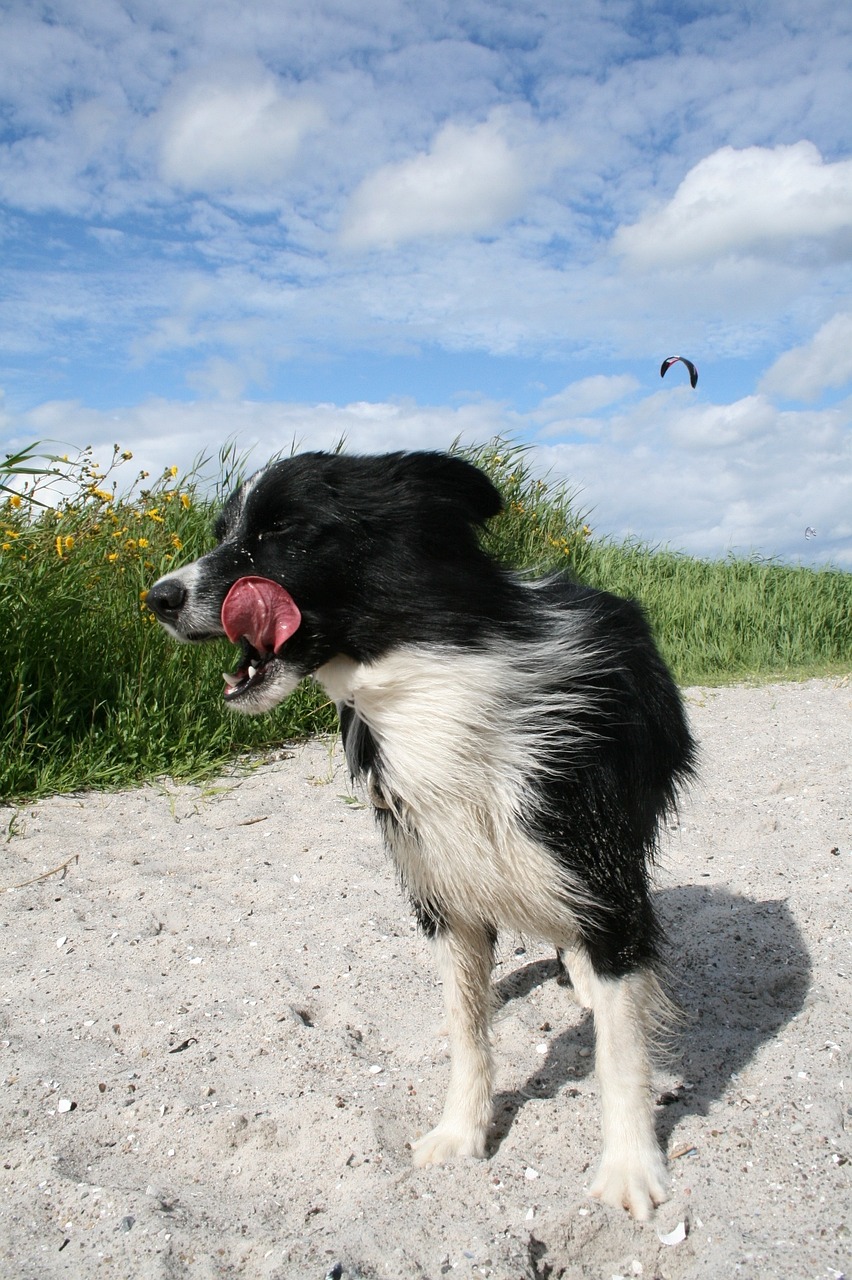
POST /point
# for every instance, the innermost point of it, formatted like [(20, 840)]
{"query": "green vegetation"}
[(94, 694)]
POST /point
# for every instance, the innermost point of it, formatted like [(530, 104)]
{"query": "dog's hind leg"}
[(632, 1170), (465, 955)]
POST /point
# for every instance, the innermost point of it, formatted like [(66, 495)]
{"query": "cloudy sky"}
[(419, 220)]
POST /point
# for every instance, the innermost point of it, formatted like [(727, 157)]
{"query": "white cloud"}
[(717, 427), (743, 202), (585, 396), (568, 413), (807, 371), (742, 477), (706, 480), (230, 127), (163, 433), (471, 181)]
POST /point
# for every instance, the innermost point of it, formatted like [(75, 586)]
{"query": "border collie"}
[(520, 741)]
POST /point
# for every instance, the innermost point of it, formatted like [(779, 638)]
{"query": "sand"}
[(219, 1029)]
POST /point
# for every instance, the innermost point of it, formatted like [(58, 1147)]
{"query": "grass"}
[(94, 694)]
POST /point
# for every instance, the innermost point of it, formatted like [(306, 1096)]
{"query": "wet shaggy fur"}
[(520, 741)]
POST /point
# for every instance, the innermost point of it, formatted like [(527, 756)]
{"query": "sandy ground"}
[(219, 1029)]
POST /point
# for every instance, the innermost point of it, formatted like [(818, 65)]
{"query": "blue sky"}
[(274, 221)]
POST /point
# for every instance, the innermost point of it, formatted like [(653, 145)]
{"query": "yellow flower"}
[(15, 500), (69, 542), (173, 471), (113, 555), (176, 542), (6, 546), (127, 455), (143, 595), (185, 499), (143, 542), (103, 494)]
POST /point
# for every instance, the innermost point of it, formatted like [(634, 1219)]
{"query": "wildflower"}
[(143, 542), (103, 494), (143, 595), (15, 500), (176, 542), (154, 514), (112, 557), (126, 456), (173, 471), (185, 501)]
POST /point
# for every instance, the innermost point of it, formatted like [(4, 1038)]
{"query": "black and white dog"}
[(521, 742)]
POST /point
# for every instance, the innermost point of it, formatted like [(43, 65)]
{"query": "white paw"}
[(446, 1141), (634, 1183)]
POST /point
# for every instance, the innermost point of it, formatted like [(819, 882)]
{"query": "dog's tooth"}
[(231, 680), (252, 672)]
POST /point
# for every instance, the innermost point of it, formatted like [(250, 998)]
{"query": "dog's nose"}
[(166, 598)]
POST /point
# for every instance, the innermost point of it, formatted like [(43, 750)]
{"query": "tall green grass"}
[(94, 694)]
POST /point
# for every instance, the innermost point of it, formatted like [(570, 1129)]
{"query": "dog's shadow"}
[(739, 971)]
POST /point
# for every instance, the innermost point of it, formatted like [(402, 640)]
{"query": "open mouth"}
[(259, 615), (251, 672)]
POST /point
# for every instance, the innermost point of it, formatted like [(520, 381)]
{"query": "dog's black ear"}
[(450, 479)]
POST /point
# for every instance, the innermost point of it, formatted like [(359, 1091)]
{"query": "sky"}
[(420, 221)]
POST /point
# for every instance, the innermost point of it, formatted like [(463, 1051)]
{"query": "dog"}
[(521, 742)]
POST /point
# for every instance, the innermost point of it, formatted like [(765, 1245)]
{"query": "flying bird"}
[(670, 360)]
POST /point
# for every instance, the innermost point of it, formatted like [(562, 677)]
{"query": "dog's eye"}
[(278, 532)]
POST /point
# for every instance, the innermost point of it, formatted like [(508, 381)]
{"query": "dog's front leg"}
[(465, 958)]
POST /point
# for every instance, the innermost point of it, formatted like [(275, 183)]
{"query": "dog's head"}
[(322, 555)]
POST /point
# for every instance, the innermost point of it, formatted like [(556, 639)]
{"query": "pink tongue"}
[(262, 612)]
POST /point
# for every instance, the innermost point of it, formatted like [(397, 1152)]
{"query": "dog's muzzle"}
[(166, 599)]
